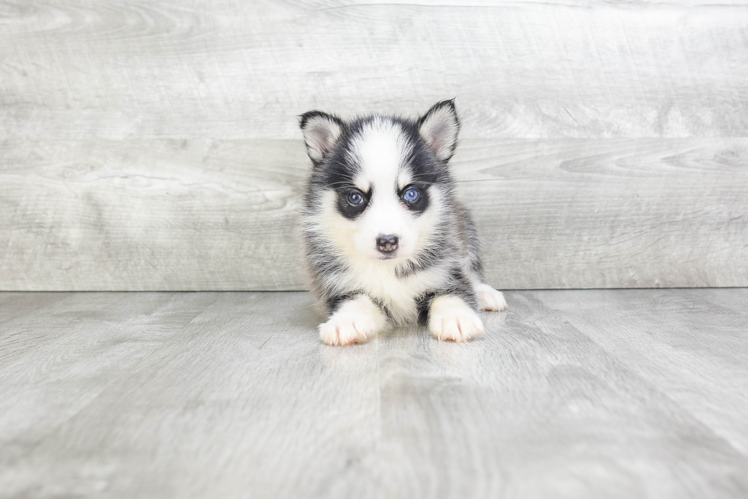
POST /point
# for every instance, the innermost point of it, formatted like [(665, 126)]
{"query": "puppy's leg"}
[(355, 321), (451, 318), (489, 299)]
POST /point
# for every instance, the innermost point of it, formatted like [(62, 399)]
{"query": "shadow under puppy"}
[(387, 242)]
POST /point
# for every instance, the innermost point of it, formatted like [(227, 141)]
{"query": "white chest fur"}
[(379, 281)]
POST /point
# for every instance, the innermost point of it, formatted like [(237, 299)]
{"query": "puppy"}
[(387, 242)]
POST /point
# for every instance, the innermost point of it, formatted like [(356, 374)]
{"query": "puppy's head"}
[(380, 183)]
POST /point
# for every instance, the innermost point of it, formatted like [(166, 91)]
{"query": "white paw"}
[(452, 319), (344, 329), (489, 299)]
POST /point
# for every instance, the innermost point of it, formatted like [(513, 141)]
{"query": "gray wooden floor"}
[(571, 393)]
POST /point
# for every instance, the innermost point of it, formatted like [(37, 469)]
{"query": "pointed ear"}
[(439, 127), (321, 132)]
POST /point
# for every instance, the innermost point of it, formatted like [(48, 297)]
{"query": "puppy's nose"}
[(387, 243)]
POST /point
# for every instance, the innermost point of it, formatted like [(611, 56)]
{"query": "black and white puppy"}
[(387, 242)]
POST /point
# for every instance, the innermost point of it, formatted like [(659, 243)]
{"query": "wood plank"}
[(734, 299), (155, 146), (14, 305), (538, 409), (611, 214), (41, 332), (56, 362), (220, 215), (240, 397), (221, 69), (690, 349), (135, 216), (232, 394)]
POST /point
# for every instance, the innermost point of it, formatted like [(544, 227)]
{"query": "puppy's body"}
[(387, 242)]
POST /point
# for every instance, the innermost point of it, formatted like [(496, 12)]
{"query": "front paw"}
[(454, 321), (489, 299), (344, 329)]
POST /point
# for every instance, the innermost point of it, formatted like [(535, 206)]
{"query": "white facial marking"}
[(403, 179), (381, 150)]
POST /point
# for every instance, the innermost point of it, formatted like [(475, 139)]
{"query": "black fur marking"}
[(334, 303), (352, 211), (472, 240), (381, 306), (461, 286), (430, 256), (458, 286), (338, 170), (338, 174), (422, 203), (476, 265), (325, 264), (304, 119), (424, 260), (423, 303)]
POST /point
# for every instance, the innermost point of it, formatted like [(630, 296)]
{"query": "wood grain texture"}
[(244, 70), (154, 145), (635, 393), (221, 215), (699, 375)]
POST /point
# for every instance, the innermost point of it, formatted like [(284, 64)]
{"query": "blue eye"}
[(355, 198), (410, 195)]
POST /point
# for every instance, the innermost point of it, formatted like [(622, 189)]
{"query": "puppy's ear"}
[(321, 132), (439, 128)]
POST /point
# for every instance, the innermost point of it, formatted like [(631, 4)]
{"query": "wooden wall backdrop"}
[(153, 144)]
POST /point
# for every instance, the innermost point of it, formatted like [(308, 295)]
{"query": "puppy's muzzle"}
[(387, 244)]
